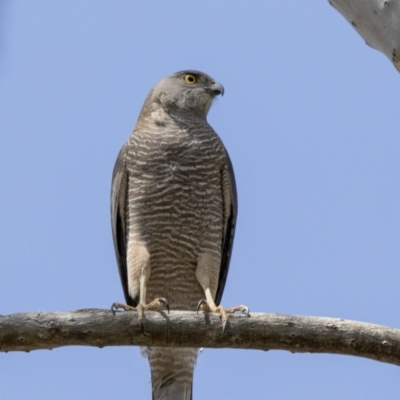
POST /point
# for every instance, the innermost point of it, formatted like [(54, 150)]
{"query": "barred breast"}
[(175, 206)]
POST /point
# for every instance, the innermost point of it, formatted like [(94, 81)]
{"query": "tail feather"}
[(173, 391), (172, 372)]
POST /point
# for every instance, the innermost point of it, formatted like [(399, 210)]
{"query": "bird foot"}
[(117, 306), (157, 304), (206, 307)]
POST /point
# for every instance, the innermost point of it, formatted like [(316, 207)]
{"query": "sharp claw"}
[(223, 327), (114, 307), (142, 328), (201, 302), (165, 302)]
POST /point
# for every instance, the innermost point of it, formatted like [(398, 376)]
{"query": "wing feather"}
[(230, 214), (119, 188)]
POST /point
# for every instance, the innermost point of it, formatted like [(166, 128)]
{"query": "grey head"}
[(184, 92)]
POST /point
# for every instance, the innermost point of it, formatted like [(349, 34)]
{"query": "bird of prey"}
[(173, 211)]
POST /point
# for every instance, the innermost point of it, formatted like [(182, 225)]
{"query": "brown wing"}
[(230, 214), (119, 188)]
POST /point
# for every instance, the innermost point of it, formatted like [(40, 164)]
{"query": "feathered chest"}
[(168, 150)]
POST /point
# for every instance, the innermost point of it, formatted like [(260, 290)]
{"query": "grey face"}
[(187, 91)]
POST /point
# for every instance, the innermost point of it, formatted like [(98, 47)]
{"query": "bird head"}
[(185, 92)]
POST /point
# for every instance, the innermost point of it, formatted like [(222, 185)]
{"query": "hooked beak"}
[(217, 89)]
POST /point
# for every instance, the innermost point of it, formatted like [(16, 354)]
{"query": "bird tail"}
[(174, 392), (172, 372)]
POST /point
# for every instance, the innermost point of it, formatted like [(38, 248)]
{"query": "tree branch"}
[(95, 327), (378, 23)]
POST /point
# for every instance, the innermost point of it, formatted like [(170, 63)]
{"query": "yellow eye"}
[(190, 79)]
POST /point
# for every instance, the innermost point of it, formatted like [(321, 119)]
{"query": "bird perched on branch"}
[(173, 210)]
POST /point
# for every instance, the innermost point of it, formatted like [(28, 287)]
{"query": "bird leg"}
[(208, 305), (155, 305), (207, 277)]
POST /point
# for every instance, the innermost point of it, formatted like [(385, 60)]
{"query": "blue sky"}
[(310, 117)]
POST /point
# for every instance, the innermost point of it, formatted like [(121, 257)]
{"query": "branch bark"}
[(297, 334), (377, 21)]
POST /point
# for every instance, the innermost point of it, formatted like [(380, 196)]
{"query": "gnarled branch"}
[(377, 21), (298, 334)]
